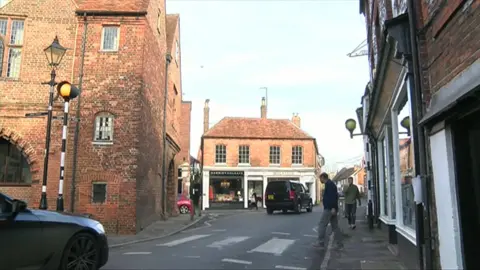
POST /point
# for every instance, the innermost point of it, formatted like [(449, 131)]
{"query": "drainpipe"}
[(77, 117), (423, 211), (168, 59), (201, 180)]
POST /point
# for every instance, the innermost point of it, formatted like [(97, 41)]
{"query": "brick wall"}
[(113, 84), (452, 36), (185, 123), (26, 94), (259, 151)]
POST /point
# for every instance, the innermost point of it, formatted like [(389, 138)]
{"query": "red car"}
[(184, 204)]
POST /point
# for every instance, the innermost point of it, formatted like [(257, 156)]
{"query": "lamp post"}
[(67, 91), (54, 53)]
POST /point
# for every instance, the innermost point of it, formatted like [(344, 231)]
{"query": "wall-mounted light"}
[(351, 125), (405, 123)]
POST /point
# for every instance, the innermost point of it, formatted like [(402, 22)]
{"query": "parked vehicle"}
[(184, 204), (40, 239), (287, 195)]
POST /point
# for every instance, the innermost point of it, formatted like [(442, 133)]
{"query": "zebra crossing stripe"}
[(183, 240)]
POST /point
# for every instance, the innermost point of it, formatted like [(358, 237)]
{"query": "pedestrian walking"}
[(352, 195), (329, 214), (253, 201)]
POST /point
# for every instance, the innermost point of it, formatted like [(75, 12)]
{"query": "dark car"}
[(287, 195), (40, 239)]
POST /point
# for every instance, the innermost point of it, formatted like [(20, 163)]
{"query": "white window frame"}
[(240, 152), (301, 157), (401, 92), (279, 155), (384, 137), (104, 142), (215, 154), (117, 45)]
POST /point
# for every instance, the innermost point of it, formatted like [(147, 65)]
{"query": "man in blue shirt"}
[(329, 214)]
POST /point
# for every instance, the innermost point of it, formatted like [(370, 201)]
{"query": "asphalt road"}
[(248, 240)]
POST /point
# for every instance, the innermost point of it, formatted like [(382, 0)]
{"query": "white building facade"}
[(255, 179)]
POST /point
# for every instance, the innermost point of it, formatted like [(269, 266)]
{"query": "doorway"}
[(466, 132), (257, 187)]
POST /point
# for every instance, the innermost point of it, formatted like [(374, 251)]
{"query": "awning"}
[(450, 94)]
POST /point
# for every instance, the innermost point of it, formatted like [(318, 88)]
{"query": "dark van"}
[(287, 195)]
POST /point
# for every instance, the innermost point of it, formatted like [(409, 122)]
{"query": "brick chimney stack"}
[(296, 120), (206, 116), (263, 109)]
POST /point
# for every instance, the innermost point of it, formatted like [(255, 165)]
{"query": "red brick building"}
[(240, 155), (123, 70)]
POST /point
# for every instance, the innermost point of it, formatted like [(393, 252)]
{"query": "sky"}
[(297, 49)]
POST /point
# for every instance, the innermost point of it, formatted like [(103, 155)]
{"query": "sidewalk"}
[(157, 230), (363, 249)]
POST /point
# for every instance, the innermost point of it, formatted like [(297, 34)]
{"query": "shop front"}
[(226, 190)]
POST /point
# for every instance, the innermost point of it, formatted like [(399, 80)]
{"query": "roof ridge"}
[(297, 127)]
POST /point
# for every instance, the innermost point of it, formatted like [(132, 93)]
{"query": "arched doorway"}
[(14, 166)]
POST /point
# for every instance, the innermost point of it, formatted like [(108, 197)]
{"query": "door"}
[(22, 240), (466, 133)]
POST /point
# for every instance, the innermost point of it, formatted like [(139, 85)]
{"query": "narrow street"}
[(247, 240)]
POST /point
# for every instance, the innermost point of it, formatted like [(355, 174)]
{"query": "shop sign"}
[(287, 173), (226, 173)]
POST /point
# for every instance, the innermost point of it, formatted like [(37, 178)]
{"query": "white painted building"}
[(260, 175)]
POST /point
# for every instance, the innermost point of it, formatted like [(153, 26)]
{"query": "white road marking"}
[(219, 230), (137, 253), (228, 241), (274, 246), (281, 233), (183, 240), (309, 235), (236, 261), (326, 258), (192, 257), (289, 267), (315, 229)]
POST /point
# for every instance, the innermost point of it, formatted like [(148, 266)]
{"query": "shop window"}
[(297, 155), (275, 154), (226, 190), (244, 154), (388, 175), (14, 167), (220, 153), (99, 192), (406, 164)]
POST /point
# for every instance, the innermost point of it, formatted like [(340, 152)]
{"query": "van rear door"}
[(277, 191)]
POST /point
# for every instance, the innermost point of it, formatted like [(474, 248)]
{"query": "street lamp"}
[(54, 53), (67, 91), (351, 125)]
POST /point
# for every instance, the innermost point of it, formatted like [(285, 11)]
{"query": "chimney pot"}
[(206, 116), (263, 109)]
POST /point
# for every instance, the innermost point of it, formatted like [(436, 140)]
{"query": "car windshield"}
[(7, 198)]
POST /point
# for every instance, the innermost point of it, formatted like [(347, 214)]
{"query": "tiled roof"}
[(172, 22), (239, 127), (112, 5)]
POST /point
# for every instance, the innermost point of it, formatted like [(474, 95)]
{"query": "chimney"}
[(206, 116), (263, 109), (296, 120)]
